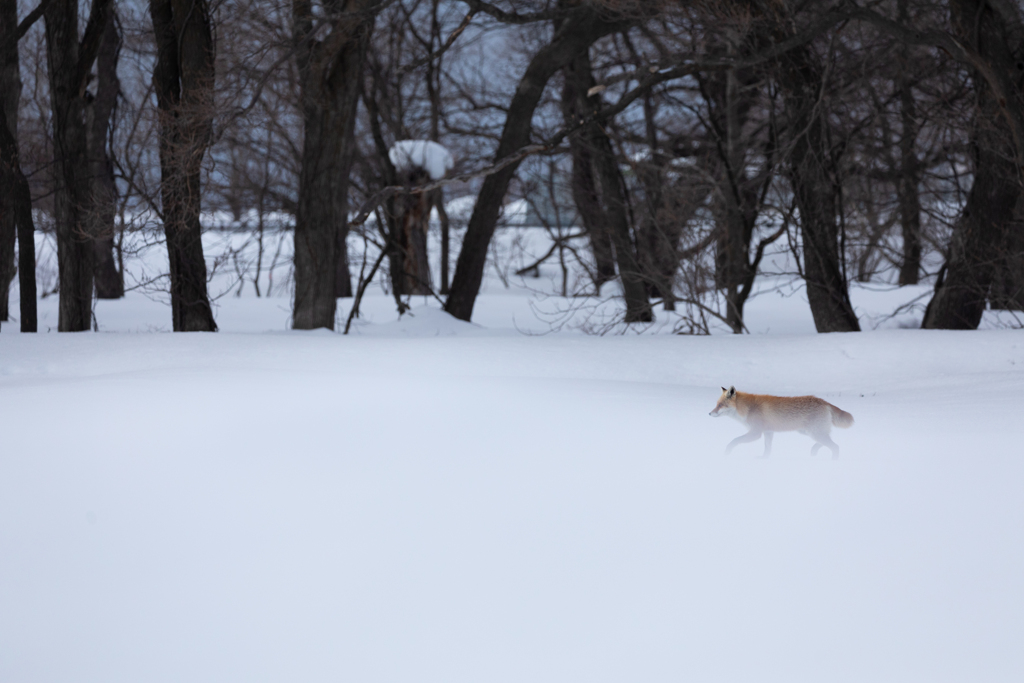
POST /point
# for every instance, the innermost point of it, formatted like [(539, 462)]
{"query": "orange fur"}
[(765, 415)]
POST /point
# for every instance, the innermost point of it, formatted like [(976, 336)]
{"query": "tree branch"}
[(504, 17), (99, 15), (30, 19), (960, 52)]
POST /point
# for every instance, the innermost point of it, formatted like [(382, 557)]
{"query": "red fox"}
[(769, 414)]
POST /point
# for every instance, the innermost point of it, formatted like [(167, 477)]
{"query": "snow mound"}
[(430, 156), (424, 321)]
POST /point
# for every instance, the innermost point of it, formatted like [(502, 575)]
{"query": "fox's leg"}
[(824, 439), (752, 435), (768, 444)]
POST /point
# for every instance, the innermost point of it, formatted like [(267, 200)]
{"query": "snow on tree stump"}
[(416, 162)]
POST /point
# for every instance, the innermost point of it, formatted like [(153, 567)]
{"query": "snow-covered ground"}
[(438, 501)]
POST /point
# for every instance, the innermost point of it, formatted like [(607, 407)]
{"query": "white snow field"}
[(434, 501)]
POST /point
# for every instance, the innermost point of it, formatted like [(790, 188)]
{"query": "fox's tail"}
[(840, 418)]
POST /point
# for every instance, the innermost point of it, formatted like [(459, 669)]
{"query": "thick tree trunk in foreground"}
[(330, 70), (979, 242), (68, 64), (109, 280), (183, 79), (583, 26)]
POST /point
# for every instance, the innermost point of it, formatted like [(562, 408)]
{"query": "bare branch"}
[(504, 17), (30, 19)]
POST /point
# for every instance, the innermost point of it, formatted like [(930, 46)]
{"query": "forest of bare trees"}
[(882, 141)]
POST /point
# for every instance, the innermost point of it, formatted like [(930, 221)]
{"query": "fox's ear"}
[(724, 390), (732, 392)]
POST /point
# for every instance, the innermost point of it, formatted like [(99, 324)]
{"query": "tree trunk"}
[(109, 280), (979, 239), (15, 200), (183, 79), (68, 63), (613, 217), (613, 189), (10, 93), (909, 180), (738, 198), (442, 215), (812, 174), (583, 26), (330, 71), (586, 195), (1007, 292), (342, 276), (660, 226), (413, 217)]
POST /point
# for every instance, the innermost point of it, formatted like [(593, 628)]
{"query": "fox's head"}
[(726, 403)]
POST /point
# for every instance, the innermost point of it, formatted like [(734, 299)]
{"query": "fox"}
[(766, 415)]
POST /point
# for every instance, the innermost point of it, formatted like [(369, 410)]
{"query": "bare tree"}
[(611, 226), (184, 80), (980, 236), (581, 26), (99, 110), (330, 70), (813, 176), (578, 80), (70, 61), (15, 198), (10, 93), (908, 188)]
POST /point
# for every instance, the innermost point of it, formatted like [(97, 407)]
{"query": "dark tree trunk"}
[(15, 200), (183, 79), (330, 71), (109, 280), (586, 195), (612, 219), (389, 225), (1007, 292), (582, 27), (663, 226), (69, 63), (10, 93), (342, 276), (442, 215), (979, 241), (812, 174), (909, 180), (613, 189), (733, 95), (659, 228), (413, 217)]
